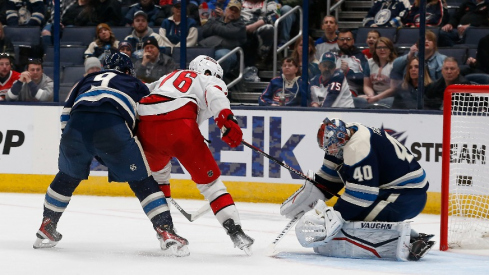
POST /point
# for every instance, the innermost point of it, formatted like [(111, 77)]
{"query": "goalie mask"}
[(206, 65), (332, 136)]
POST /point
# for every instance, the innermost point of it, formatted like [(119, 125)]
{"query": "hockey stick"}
[(283, 164), (191, 217), (270, 250)]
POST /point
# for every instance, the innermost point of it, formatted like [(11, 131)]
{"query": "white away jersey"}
[(185, 86)]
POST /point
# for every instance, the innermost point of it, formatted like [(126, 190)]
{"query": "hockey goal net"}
[(465, 171)]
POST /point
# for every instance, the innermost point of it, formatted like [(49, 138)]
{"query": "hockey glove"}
[(303, 199), (231, 133)]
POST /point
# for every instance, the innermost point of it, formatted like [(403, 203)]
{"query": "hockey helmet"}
[(120, 62), (206, 65), (332, 136)]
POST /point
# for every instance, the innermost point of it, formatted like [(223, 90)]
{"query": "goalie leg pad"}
[(303, 200), (370, 240), (318, 226)]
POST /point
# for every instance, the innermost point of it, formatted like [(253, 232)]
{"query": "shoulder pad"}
[(359, 147)]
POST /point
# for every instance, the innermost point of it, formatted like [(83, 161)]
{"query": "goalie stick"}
[(283, 164), (191, 217), (270, 250)]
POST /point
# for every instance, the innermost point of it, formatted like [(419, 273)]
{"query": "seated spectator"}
[(434, 92), (148, 7), (141, 33), (217, 7), (225, 33), (32, 85), (436, 14), (285, 90), (376, 83), (328, 42), (7, 75), (154, 64), (105, 43), (100, 11), (170, 28), (406, 94), (386, 13), (330, 88), (126, 47), (433, 59), (92, 65), (351, 61), (25, 13), (6, 45), (471, 13), (372, 37), (479, 64), (313, 64), (259, 17)]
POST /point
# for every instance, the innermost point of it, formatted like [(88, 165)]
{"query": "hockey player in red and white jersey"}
[(169, 127)]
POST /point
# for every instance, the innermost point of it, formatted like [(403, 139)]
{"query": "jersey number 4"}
[(183, 81)]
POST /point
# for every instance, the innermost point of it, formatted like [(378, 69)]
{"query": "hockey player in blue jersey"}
[(382, 180), (98, 120), (330, 88)]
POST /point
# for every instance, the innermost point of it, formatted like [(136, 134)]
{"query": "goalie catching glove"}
[(318, 226), (303, 199), (231, 133)]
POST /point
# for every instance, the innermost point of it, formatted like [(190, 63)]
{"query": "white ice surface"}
[(111, 235)]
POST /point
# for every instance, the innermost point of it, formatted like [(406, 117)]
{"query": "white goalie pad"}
[(370, 240), (318, 226), (303, 200)]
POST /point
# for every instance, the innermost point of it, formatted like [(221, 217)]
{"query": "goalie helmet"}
[(120, 62), (332, 136), (207, 66)]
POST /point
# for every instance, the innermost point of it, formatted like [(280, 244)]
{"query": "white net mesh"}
[(468, 223)]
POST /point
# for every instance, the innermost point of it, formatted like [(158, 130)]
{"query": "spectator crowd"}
[(342, 71)]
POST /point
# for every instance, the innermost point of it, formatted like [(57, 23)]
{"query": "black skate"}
[(169, 240), (420, 246), (47, 236), (239, 238)]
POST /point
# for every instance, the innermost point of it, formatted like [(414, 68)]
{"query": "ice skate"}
[(169, 240), (239, 238), (47, 236), (420, 246)]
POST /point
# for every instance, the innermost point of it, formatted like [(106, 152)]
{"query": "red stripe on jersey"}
[(154, 98), (218, 87), (168, 76), (221, 202)]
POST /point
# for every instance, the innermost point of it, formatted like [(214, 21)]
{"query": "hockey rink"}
[(111, 235)]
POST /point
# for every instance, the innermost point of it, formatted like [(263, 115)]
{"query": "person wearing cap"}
[(126, 47), (92, 64), (148, 7), (154, 64), (330, 88), (225, 33), (170, 28), (141, 32), (104, 44), (32, 85)]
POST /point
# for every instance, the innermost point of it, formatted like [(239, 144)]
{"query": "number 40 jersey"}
[(181, 87)]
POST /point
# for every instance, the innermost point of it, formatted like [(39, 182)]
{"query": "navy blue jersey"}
[(334, 92), (282, 93), (374, 166), (122, 91), (386, 13)]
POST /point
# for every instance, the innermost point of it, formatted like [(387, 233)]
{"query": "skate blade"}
[(247, 250), (44, 243)]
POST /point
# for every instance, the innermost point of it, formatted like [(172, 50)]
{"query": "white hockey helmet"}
[(206, 65)]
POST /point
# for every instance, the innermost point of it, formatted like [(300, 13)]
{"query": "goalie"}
[(384, 187)]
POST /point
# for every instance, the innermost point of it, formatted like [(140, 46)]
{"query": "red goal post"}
[(465, 174)]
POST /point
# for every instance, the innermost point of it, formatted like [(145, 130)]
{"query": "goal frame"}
[(445, 176)]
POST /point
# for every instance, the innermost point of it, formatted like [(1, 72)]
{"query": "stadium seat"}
[(78, 36), (460, 54), (192, 53), (472, 52), (23, 35), (69, 56), (49, 71), (406, 37), (72, 74), (362, 34), (121, 32), (473, 35), (64, 90)]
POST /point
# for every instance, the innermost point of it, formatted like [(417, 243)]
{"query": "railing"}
[(241, 64), (275, 37), (334, 8)]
